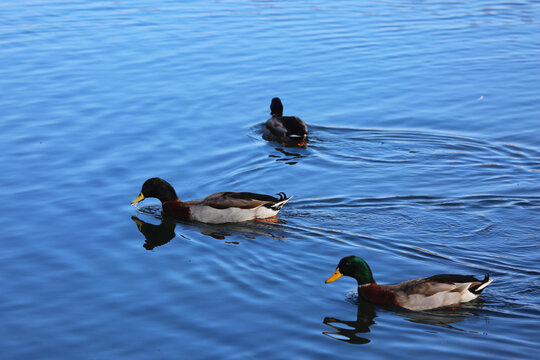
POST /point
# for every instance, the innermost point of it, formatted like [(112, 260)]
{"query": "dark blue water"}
[(424, 159)]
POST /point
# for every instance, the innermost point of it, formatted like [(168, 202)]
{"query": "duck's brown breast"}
[(177, 209), (378, 295)]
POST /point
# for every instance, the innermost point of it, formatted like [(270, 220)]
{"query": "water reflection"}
[(247, 229), (288, 157), (439, 317), (158, 235), (350, 330)]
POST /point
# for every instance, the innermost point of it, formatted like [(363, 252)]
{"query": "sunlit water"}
[(424, 158)]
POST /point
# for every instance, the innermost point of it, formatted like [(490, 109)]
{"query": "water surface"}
[(424, 158)]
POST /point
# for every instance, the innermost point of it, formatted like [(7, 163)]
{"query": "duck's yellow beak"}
[(137, 199), (336, 275)]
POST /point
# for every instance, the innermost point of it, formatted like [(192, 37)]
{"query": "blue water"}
[(424, 158)]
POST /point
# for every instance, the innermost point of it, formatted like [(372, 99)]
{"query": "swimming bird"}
[(417, 294), (288, 130), (217, 208)]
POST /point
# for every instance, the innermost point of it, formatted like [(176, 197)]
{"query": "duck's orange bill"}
[(138, 198), (336, 275)]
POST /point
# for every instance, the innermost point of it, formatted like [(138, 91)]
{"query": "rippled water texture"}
[(424, 158)]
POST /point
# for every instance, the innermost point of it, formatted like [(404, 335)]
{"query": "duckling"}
[(217, 208), (285, 129), (417, 294)]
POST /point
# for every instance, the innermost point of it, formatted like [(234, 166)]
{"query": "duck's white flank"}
[(212, 215)]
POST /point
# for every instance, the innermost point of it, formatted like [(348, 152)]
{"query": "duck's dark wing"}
[(275, 127), (476, 286), (295, 125), (437, 283), (452, 279), (242, 200)]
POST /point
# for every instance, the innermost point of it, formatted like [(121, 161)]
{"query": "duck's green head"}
[(355, 267), (156, 188), (276, 107)]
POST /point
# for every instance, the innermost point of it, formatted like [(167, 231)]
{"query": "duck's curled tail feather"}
[(480, 287), (282, 201)]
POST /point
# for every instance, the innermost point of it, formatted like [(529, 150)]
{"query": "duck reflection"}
[(348, 330), (351, 331), (158, 235), (444, 317), (290, 158), (247, 229)]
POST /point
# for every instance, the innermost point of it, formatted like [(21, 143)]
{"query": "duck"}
[(288, 130), (217, 208), (416, 294)]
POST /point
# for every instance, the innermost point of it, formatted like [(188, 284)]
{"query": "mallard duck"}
[(285, 129), (416, 294), (217, 208)]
